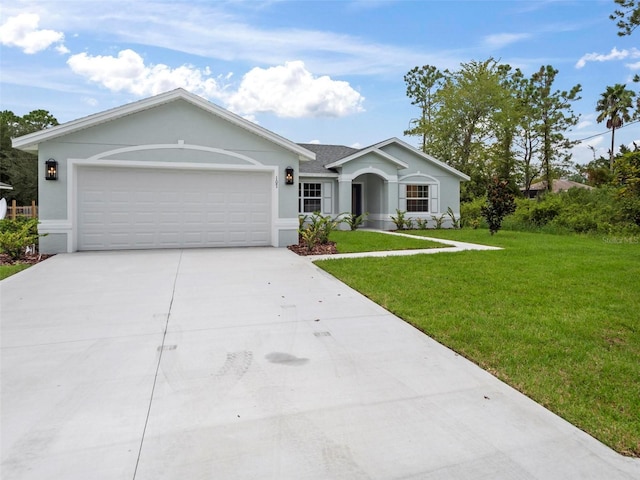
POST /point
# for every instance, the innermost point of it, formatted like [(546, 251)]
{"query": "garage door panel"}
[(125, 208)]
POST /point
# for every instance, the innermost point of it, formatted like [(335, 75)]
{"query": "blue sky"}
[(329, 72)]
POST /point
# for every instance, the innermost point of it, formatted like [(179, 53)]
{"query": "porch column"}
[(392, 202), (344, 198)]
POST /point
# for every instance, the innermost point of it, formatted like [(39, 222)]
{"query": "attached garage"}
[(170, 171), (138, 208)]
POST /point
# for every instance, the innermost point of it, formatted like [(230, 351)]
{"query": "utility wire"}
[(603, 133)]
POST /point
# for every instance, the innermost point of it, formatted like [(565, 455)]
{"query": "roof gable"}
[(31, 141), (422, 155), (378, 149), (360, 153)]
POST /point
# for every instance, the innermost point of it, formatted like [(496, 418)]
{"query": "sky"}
[(311, 71)]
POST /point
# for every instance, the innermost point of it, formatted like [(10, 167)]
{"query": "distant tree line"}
[(490, 120), (507, 130)]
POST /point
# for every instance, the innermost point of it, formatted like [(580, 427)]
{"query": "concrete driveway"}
[(251, 364)]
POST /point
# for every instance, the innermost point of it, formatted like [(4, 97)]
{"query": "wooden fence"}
[(14, 211)]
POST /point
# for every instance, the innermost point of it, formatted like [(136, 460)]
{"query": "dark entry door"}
[(356, 198)]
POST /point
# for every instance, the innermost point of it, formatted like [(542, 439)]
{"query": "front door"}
[(356, 198)]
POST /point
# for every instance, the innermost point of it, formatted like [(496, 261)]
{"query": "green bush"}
[(315, 229), (597, 211), (500, 203), (471, 214), (354, 221), (422, 223), (401, 221), (439, 220), (17, 235)]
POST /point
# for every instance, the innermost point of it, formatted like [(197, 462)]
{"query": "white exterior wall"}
[(448, 184), (177, 134)]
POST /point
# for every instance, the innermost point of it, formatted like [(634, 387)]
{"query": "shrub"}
[(500, 203), (17, 235), (315, 229), (471, 213), (401, 221), (354, 221), (577, 210), (455, 222), (422, 223), (439, 221)]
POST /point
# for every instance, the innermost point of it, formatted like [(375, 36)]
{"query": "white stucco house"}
[(176, 171)]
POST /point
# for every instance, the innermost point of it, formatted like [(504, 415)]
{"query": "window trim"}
[(426, 198), (316, 197)]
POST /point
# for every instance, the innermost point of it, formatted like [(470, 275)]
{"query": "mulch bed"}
[(30, 259), (324, 249)]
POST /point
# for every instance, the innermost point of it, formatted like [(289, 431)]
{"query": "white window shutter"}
[(327, 198), (433, 199), (402, 201)]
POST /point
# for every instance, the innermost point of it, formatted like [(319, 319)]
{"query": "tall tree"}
[(614, 106), (526, 142), (628, 16), (473, 101), (422, 84), (18, 168), (554, 118)]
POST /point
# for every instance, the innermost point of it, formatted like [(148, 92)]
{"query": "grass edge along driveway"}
[(554, 316)]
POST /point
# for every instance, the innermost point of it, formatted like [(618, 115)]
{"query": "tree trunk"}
[(613, 135)]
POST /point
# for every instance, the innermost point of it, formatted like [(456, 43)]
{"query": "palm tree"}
[(614, 105)]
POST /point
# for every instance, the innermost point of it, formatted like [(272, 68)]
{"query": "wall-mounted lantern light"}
[(52, 170), (288, 176)]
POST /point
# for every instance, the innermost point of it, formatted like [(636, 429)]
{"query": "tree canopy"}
[(627, 16), (17, 168), (487, 119)]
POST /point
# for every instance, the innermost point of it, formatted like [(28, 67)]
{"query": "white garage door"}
[(128, 208)]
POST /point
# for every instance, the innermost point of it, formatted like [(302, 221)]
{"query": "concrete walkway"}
[(453, 246), (251, 364)]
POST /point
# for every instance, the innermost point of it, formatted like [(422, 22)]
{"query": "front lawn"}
[(8, 270), (364, 241), (554, 316)]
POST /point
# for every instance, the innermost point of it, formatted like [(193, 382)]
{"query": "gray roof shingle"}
[(325, 154)]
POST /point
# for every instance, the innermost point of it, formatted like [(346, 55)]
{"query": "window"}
[(417, 198), (310, 197)]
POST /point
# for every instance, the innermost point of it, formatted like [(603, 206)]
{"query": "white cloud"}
[(290, 90), (287, 91), (61, 49), (615, 54), (92, 102), (500, 40), (187, 27), (633, 66), (314, 142), (127, 72), (595, 141), (22, 31)]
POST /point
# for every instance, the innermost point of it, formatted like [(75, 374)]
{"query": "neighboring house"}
[(560, 185), (176, 171)]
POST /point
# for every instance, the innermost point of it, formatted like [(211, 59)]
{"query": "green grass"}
[(557, 317), (8, 270), (363, 241)]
